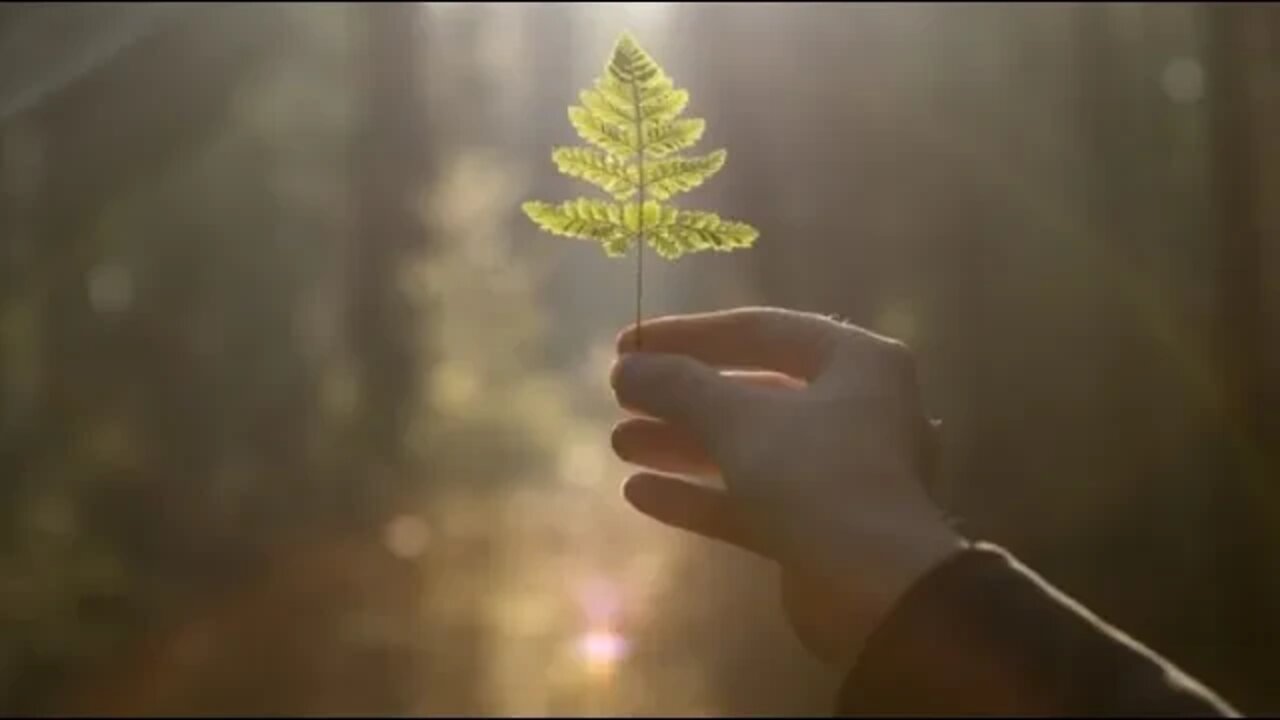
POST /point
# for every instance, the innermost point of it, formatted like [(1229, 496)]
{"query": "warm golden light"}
[(602, 650)]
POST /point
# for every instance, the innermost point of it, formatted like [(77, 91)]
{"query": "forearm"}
[(983, 635)]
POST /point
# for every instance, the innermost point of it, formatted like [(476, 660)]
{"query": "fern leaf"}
[(598, 168), (632, 118), (608, 108), (609, 137), (663, 139), (655, 216), (664, 107), (583, 219), (619, 95), (631, 65), (674, 175), (693, 231)]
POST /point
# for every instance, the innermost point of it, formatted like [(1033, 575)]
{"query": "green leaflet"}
[(598, 168), (692, 231), (631, 120), (674, 175)]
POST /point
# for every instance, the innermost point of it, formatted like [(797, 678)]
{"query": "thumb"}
[(694, 508)]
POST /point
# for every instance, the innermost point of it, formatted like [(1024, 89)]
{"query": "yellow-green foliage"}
[(631, 117)]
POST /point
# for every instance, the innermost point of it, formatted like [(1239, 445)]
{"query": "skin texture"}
[(812, 436)]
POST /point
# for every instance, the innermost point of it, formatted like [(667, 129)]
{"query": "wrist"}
[(905, 557), (835, 608)]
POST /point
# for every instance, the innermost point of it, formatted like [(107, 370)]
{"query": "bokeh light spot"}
[(602, 650), (407, 537), (110, 288), (1183, 80)]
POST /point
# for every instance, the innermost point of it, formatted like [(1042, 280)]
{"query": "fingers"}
[(679, 390), (663, 447), (765, 378), (705, 511), (671, 449), (797, 344)]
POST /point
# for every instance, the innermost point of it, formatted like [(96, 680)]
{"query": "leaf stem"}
[(635, 99)]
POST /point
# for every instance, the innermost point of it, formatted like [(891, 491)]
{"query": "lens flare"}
[(600, 600), (602, 650)]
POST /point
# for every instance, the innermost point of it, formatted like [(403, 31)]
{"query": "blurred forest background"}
[(298, 414)]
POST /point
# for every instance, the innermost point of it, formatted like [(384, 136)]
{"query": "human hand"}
[(815, 430)]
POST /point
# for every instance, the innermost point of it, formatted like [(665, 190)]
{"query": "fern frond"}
[(620, 96), (655, 216), (663, 139), (609, 137), (632, 118), (664, 107), (598, 168), (671, 176), (583, 219), (630, 64), (693, 231), (608, 108)]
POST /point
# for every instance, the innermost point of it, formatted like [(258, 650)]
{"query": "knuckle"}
[(902, 363), (877, 376), (888, 364), (775, 323), (814, 335)]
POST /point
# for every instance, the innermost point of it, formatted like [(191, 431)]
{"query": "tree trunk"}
[(1243, 64), (390, 162)]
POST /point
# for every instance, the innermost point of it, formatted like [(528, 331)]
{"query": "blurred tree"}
[(390, 170), (70, 150), (189, 403), (1241, 72)]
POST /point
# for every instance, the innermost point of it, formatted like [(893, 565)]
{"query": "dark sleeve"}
[(983, 635)]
